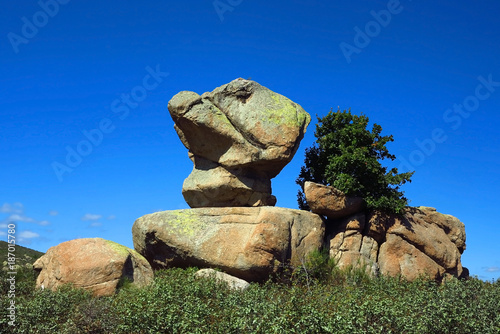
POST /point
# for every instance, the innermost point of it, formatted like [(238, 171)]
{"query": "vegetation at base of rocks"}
[(346, 155), (317, 298)]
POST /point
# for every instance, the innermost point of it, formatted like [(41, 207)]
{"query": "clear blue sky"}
[(428, 72)]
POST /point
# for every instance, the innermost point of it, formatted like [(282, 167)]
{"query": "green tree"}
[(346, 155)]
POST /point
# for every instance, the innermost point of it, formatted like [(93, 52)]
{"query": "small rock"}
[(233, 283)]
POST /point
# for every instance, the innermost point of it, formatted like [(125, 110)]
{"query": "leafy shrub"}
[(328, 301), (347, 156)]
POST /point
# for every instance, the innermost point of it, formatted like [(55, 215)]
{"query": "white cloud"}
[(11, 208), (20, 217), (28, 235), (53, 212), (96, 224), (90, 216), (492, 269), (17, 215), (111, 217)]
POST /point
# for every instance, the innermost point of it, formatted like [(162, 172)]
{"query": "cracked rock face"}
[(239, 137), (249, 243), (422, 242), (94, 264)]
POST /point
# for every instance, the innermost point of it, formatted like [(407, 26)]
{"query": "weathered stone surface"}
[(399, 257), (246, 132), (452, 226), (349, 247), (212, 185), (233, 283), (94, 264), (249, 243), (421, 242), (331, 202)]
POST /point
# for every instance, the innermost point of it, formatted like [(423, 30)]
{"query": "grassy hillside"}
[(23, 255)]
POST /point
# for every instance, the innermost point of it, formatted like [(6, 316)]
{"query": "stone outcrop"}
[(421, 242), (233, 283), (249, 243), (331, 202), (94, 264), (239, 137)]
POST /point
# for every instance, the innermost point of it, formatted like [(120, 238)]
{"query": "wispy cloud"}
[(12, 208), (17, 215), (111, 217), (26, 237), (53, 212), (95, 224), (20, 217), (90, 216), (492, 269)]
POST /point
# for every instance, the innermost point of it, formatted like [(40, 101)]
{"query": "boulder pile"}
[(239, 137), (420, 242)]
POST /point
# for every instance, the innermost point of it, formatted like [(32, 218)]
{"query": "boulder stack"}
[(239, 137)]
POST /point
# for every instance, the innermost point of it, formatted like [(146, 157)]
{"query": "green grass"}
[(316, 299)]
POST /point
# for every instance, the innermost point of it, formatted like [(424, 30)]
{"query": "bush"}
[(347, 156), (328, 301)]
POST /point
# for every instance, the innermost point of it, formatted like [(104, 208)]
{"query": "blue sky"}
[(95, 77)]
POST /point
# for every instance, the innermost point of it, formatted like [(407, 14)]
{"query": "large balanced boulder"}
[(94, 264), (422, 242), (239, 137), (247, 242)]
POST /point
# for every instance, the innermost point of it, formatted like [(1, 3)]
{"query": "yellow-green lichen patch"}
[(119, 249), (185, 222), (220, 116), (284, 111)]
